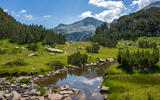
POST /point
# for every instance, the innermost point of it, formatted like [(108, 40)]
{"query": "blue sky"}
[(50, 13)]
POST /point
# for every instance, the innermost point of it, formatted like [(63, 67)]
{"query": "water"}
[(86, 79)]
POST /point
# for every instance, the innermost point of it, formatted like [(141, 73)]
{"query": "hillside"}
[(23, 34), (80, 30), (130, 27)]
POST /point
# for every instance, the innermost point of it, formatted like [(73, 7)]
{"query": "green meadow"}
[(38, 63)]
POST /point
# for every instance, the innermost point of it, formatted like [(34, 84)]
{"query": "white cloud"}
[(47, 16), (91, 81), (5, 10), (113, 10), (109, 15), (107, 4), (28, 16), (86, 14), (142, 3), (23, 11)]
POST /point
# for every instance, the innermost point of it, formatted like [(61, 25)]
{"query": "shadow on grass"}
[(151, 70)]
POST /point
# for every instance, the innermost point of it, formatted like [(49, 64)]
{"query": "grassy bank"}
[(131, 86), (38, 63)]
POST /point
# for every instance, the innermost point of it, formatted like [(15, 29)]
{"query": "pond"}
[(86, 79)]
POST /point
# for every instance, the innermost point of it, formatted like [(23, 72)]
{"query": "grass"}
[(37, 64), (131, 86), (25, 80), (42, 91)]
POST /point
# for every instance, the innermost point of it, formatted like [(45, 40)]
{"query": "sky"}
[(50, 13)]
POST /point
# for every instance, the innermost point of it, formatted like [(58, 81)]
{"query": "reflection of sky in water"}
[(88, 87)]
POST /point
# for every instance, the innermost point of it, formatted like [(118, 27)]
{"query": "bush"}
[(147, 44), (25, 80), (18, 62), (77, 58), (55, 89), (42, 91), (16, 50), (3, 51), (140, 60), (56, 64), (32, 47), (93, 49)]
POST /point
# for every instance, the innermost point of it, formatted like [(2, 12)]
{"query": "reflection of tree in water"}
[(52, 79)]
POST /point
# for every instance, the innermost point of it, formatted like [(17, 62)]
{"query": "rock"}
[(24, 86), (32, 55), (65, 87), (104, 89), (102, 60), (33, 92), (14, 96), (54, 50), (7, 95), (55, 96), (110, 60), (40, 76), (66, 92), (75, 90), (41, 98), (1, 94)]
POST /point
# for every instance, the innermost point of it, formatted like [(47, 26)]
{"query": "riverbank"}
[(25, 87), (123, 86)]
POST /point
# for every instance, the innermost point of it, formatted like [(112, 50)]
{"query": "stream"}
[(86, 79)]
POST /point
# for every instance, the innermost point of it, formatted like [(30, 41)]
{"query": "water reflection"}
[(87, 79)]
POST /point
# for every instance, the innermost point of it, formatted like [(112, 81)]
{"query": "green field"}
[(35, 64), (131, 86)]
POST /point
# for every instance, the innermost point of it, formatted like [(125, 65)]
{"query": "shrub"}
[(18, 62), (3, 51), (56, 64), (25, 80), (55, 89), (16, 50), (147, 44), (42, 91), (77, 58), (93, 49), (32, 47), (140, 60)]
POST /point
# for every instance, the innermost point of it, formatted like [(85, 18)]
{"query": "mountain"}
[(154, 4), (79, 31)]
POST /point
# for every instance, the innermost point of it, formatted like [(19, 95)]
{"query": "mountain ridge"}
[(85, 28), (154, 4)]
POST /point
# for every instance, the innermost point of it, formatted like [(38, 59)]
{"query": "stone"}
[(24, 86), (110, 60), (40, 76), (32, 55), (33, 92), (7, 95), (41, 98), (55, 96), (75, 90), (14, 96), (66, 92), (65, 87), (54, 50), (1, 94), (104, 89)]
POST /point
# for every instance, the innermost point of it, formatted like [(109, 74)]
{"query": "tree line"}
[(129, 27), (24, 34)]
